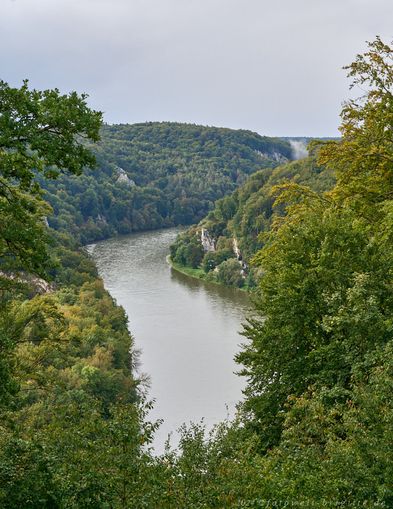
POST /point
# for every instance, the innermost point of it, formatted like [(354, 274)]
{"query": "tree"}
[(40, 132), (325, 297), (187, 250), (229, 273), (363, 158), (213, 258)]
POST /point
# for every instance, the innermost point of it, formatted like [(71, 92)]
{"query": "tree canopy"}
[(245, 217), (155, 175), (40, 132), (315, 429), (326, 294)]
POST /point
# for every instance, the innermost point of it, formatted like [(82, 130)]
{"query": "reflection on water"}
[(186, 329), (214, 292)]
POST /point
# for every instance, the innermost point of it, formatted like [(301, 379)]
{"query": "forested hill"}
[(237, 225), (155, 175)]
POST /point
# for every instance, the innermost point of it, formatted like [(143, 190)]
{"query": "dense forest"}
[(315, 429), (156, 175), (236, 228), (70, 406)]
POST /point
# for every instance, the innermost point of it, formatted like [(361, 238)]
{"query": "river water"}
[(186, 330)]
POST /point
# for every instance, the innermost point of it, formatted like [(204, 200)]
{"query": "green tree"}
[(187, 250), (40, 132), (325, 295), (363, 158), (229, 273), (168, 177), (214, 258)]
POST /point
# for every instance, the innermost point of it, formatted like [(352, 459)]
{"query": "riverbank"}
[(201, 274), (188, 271), (179, 324)]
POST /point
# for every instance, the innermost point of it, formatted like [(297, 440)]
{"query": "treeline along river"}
[(187, 330)]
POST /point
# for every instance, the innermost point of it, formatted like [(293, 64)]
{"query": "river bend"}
[(186, 330)]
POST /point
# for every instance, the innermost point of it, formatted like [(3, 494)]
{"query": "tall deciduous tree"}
[(363, 158), (40, 132), (326, 299)]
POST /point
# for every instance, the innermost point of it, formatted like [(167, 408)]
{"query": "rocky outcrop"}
[(276, 156), (101, 219), (239, 256), (208, 243), (236, 249), (123, 178), (37, 284)]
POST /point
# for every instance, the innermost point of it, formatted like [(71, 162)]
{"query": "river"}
[(186, 330)]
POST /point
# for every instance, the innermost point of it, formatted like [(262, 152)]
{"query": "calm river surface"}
[(187, 330)]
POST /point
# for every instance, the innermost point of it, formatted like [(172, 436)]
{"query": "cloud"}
[(273, 67)]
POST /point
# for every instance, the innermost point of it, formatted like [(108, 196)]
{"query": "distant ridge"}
[(158, 174)]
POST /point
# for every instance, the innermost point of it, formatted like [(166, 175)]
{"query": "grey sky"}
[(270, 66)]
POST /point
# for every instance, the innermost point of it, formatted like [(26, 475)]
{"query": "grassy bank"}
[(200, 274), (188, 271)]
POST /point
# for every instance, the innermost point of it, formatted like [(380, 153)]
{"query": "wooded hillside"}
[(157, 175)]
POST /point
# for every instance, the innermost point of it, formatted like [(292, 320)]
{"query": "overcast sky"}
[(270, 66)]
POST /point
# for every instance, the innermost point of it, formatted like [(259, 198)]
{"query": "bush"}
[(214, 258), (229, 273)]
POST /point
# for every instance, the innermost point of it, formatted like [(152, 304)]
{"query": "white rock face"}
[(276, 156), (239, 257), (101, 219), (208, 243), (122, 178), (39, 285), (279, 157), (236, 249)]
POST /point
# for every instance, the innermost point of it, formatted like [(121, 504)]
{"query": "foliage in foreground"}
[(71, 422), (316, 426)]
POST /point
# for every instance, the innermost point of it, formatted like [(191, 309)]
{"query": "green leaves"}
[(155, 175), (325, 297), (363, 158), (42, 131)]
